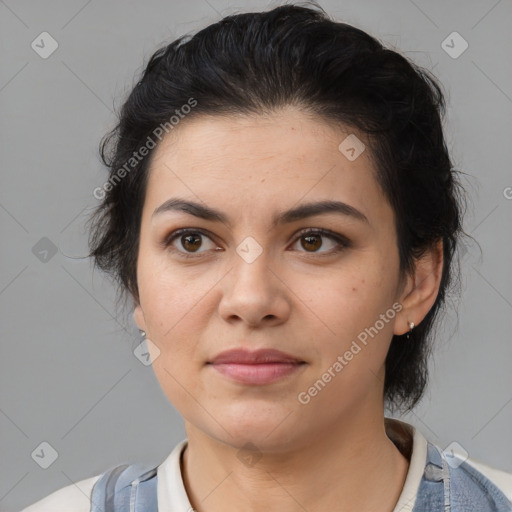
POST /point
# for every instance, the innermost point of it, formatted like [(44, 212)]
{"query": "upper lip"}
[(245, 356)]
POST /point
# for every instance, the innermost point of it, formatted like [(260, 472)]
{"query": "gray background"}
[(68, 373)]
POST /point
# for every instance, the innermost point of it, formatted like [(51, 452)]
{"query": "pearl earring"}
[(411, 327)]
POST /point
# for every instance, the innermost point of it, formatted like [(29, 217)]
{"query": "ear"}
[(138, 316), (421, 289)]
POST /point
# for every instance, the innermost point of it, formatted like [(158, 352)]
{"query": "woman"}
[(283, 215)]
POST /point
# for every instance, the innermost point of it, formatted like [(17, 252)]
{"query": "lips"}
[(259, 367), (244, 356)]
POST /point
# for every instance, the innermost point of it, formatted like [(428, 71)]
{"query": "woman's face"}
[(263, 279)]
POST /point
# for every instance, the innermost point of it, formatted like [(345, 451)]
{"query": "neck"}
[(353, 467)]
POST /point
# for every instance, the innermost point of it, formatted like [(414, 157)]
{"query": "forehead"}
[(287, 135), (257, 162)]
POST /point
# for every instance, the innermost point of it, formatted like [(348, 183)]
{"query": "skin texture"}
[(298, 297)]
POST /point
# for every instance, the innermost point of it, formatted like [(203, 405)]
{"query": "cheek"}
[(354, 305), (182, 388), (350, 297), (176, 320), (168, 295), (352, 348)]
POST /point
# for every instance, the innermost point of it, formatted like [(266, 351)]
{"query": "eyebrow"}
[(300, 212)]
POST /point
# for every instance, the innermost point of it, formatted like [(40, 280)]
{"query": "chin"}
[(269, 429)]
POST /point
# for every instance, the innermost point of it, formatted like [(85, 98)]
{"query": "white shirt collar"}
[(417, 464), (172, 495)]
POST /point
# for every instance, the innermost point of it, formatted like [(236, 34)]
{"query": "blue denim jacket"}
[(443, 488)]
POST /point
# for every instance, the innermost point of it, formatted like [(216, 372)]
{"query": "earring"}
[(411, 327), (142, 333)]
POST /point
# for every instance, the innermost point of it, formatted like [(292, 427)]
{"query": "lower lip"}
[(258, 374)]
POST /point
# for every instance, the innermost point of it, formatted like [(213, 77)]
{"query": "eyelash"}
[(343, 242)]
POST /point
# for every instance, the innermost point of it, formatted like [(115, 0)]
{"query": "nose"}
[(254, 294)]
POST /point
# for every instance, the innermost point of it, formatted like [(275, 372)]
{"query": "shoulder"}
[(72, 498), (501, 479), (472, 483)]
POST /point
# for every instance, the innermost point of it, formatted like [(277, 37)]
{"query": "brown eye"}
[(191, 242), (311, 242), (188, 243)]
